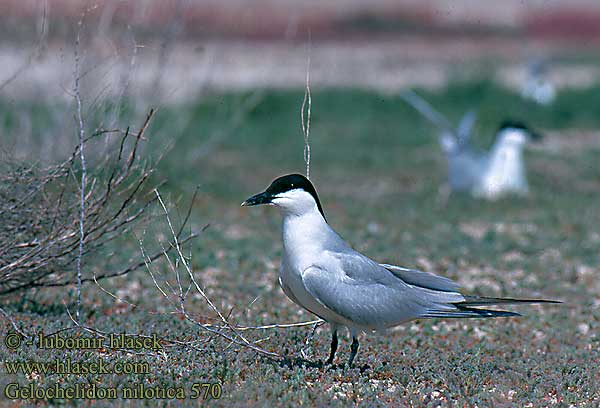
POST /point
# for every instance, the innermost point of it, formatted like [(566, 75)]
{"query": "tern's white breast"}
[(504, 174), (305, 242)]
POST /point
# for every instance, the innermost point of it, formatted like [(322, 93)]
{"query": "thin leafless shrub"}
[(178, 284), (40, 212)]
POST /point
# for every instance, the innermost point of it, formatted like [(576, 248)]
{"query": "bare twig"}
[(40, 232), (176, 297), (12, 322), (183, 260), (275, 325), (306, 107), (305, 351), (43, 31), (81, 128), (103, 334)]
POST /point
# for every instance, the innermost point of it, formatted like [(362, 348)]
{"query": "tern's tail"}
[(467, 309)]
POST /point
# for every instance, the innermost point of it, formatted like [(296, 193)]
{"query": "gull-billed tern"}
[(491, 174), (484, 174), (323, 274)]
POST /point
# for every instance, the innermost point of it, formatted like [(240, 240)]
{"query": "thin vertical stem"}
[(77, 94), (306, 123)]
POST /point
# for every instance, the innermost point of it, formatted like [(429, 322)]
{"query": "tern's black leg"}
[(334, 344), (353, 350)]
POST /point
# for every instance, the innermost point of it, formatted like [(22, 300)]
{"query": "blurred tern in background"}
[(488, 175), (537, 85), (323, 274)]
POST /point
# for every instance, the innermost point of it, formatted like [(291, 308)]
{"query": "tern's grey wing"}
[(463, 131), (465, 168), (370, 296), (455, 142), (423, 279)]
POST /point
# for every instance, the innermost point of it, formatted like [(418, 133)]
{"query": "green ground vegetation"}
[(377, 166)]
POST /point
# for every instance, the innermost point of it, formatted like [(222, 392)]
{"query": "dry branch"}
[(177, 287), (40, 213), (40, 45), (81, 133)]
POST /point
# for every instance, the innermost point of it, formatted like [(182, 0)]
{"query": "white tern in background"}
[(495, 173), (537, 85), (323, 274), (490, 175)]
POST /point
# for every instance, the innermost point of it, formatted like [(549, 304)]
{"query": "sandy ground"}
[(186, 69)]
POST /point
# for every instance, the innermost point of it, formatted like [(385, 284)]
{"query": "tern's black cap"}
[(281, 185), (516, 124)]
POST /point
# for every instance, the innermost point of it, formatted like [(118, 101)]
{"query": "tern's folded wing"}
[(363, 269), (423, 279), (373, 304)]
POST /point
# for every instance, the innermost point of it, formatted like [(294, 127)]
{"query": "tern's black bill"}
[(536, 137), (258, 199)]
